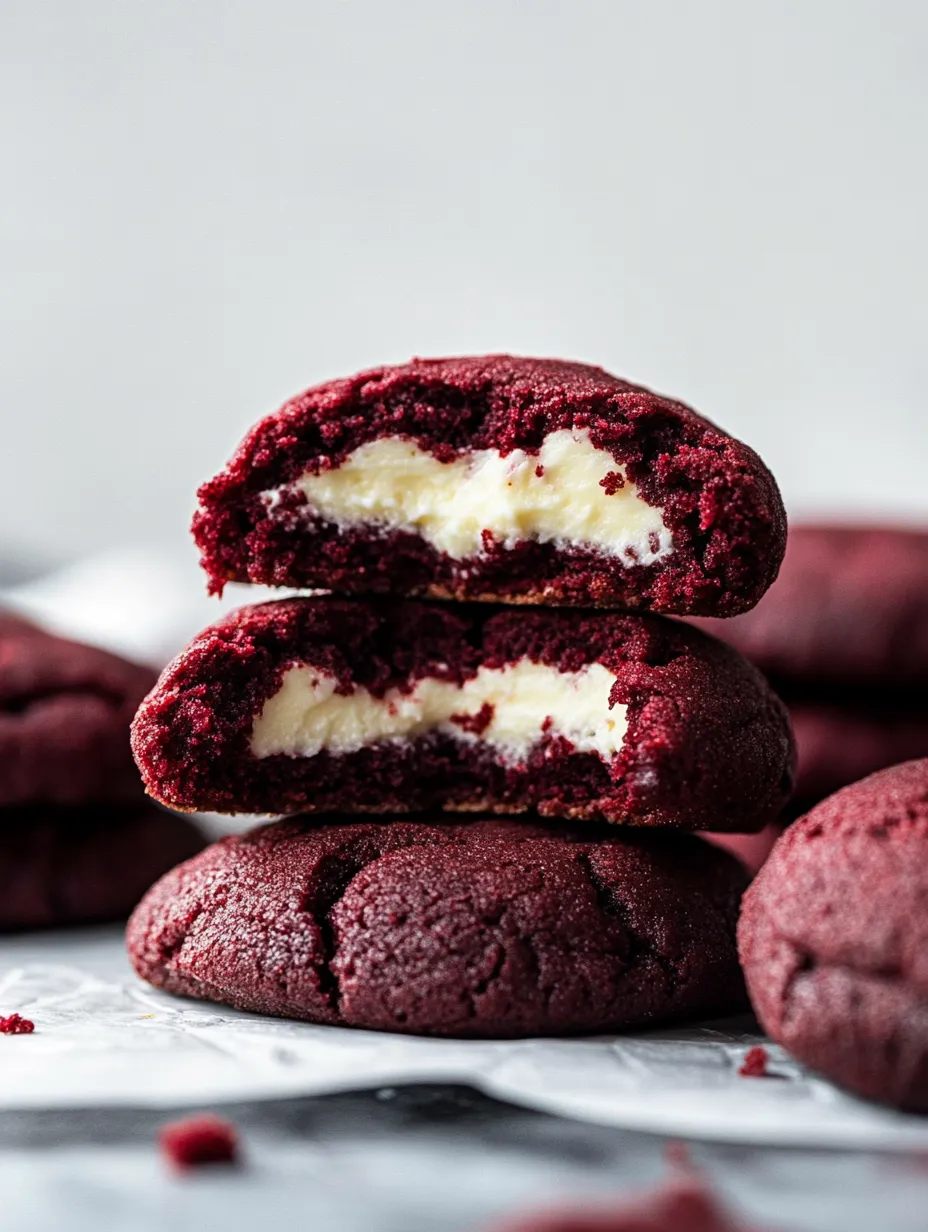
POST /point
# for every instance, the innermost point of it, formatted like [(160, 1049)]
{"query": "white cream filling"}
[(555, 495), (529, 699)]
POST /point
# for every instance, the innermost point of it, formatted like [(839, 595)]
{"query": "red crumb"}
[(199, 1140), (477, 723), (679, 1206), (754, 1064), (15, 1025), (612, 482), (539, 470)]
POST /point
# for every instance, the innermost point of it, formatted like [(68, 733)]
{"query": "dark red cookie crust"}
[(486, 929), (850, 607), (720, 501), (708, 744), (65, 711), (66, 866), (833, 938)]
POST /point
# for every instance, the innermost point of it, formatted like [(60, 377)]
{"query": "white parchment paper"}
[(104, 1038)]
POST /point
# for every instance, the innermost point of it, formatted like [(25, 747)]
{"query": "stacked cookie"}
[(843, 636), (79, 842), (470, 522)]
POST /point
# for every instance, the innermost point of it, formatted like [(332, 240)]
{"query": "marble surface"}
[(419, 1159)]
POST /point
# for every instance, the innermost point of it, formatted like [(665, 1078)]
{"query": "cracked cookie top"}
[(485, 928)]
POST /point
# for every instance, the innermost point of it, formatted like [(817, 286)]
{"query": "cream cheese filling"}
[(553, 496), (526, 700)]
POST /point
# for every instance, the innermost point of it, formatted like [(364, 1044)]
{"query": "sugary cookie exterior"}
[(833, 938), (484, 929), (65, 711), (339, 705), (69, 866), (496, 478)]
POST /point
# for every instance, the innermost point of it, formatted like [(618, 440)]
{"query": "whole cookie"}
[(64, 866), (849, 607), (496, 478), (340, 705), (833, 938), (484, 929), (65, 711)]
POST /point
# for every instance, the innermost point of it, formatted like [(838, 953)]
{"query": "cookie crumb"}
[(684, 1205), (612, 482), (199, 1140), (475, 724), (16, 1025), (754, 1064)]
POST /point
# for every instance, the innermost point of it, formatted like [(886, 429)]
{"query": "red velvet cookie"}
[(841, 741), (340, 705), (65, 711), (12, 624), (850, 607), (496, 478), (833, 938), (843, 636), (63, 866), (485, 929)]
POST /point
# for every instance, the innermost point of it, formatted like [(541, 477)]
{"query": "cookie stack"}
[(79, 843), (487, 745)]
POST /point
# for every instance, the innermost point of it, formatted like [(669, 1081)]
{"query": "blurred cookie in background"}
[(85, 865), (65, 710), (843, 637), (751, 849), (843, 740), (79, 842)]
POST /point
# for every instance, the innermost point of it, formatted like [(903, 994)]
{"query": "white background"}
[(207, 207)]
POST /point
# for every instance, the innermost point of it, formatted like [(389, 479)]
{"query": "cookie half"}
[(833, 938), (489, 928), (90, 865), (496, 478), (339, 705), (65, 711)]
